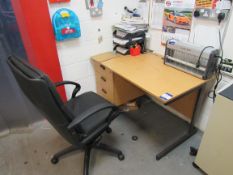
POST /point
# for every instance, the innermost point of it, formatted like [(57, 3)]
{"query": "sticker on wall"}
[(57, 1), (95, 7), (66, 24)]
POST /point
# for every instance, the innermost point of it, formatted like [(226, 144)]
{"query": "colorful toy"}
[(66, 24)]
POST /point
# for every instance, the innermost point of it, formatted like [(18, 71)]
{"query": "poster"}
[(211, 4), (177, 20), (204, 3)]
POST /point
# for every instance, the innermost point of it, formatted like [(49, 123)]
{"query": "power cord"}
[(218, 72), (199, 59), (218, 76)]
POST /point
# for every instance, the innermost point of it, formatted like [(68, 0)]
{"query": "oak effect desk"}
[(123, 78)]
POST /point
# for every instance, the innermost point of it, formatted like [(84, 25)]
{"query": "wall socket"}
[(210, 14)]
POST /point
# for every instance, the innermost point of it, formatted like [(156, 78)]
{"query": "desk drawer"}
[(99, 68), (104, 91), (104, 85), (105, 80)]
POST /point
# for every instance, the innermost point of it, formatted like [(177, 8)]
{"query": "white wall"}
[(74, 55), (228, 39)]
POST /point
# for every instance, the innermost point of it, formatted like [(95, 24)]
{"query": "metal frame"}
[(191, 130), (87, 152)]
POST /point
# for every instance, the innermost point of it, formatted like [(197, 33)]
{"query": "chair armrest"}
[(76, 89), (91, 111)]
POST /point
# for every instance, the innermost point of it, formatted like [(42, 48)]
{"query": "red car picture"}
[(178, 18)]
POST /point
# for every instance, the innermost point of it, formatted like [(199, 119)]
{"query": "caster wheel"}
[(54, 160), (108, 130), (121, 156)]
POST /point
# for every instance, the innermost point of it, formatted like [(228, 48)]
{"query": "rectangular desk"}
[(148, 73)]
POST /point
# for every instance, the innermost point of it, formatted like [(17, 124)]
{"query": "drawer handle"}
[(103, 67), (102, 78), (104, 91)]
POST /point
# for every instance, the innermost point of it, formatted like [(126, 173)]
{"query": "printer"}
[(197, 60)]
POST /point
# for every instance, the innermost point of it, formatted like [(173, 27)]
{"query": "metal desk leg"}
[(191, 131)]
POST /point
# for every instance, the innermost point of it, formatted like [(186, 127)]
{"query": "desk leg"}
[(191, 131)]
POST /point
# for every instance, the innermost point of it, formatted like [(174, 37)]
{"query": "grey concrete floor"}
[(29, 153)]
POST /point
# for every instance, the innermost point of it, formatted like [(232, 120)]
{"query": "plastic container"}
[(66, 24), (135, 50)]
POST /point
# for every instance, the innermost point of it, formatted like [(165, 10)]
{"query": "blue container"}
[(66, 24)]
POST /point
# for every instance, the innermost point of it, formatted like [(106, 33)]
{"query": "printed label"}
[(166, 96)]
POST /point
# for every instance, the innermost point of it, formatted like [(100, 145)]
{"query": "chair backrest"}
[(42, 93)]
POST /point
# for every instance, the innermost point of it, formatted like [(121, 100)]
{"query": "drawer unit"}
[(104, 85), (103, 76), (111, 86)]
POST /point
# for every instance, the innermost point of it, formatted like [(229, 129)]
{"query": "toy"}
[(66, 24)]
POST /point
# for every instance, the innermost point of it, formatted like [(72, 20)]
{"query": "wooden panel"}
[(101, 69), (117, 90), (186, 104), (105, 80), (105, 84), (124, 91), (149, 73), (103, 75), (104, 91), (215, 155), (104, 56)]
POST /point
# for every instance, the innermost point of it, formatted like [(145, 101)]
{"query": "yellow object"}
[(65, 14)]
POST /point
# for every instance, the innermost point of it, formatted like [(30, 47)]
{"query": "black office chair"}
[(80, 121)]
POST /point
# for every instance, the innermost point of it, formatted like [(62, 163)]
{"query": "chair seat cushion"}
[(82, 103)]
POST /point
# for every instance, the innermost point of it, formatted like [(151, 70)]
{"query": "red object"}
[(134, 51), (66, 31), (38, 38), (56, 1)]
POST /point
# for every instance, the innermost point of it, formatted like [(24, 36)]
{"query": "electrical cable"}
[(199, 59), (218, 73)]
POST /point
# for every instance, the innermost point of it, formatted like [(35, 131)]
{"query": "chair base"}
[(87, 149)]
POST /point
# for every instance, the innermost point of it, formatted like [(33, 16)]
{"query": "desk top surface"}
[(149, 73)]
